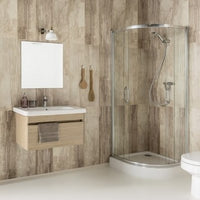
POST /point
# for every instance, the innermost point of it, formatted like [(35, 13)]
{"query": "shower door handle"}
[(126, 94)]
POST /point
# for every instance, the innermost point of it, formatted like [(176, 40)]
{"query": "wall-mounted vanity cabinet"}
[(70, 122)]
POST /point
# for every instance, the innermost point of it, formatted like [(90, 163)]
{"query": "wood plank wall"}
[(194, 60), (140, 126), (167, 124), (83, 26)]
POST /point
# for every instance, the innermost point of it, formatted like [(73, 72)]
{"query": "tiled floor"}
[(96, 183)]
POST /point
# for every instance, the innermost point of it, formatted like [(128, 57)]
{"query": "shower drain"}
[(147, 155)]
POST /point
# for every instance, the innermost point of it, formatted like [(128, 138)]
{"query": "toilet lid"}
[(191, 158)]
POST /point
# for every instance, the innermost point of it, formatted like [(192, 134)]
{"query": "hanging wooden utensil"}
[(91, 95), (83, 83)]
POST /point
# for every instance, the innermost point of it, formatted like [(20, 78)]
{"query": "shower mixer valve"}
[(168, 85)]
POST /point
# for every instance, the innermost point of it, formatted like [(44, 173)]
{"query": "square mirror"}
[(41, 65)]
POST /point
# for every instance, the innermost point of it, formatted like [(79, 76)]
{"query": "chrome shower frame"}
[(143, 26)]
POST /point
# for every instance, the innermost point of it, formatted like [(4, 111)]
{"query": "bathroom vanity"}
[(46, 127), (70, 122)]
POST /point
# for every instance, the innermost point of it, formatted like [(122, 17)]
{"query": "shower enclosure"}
[(149, 94)]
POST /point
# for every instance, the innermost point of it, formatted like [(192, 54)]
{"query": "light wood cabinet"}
[(70, 130)]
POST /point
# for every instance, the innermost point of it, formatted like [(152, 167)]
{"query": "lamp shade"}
[(51, 35)]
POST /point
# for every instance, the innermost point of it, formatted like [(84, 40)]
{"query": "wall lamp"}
[(50, 34)]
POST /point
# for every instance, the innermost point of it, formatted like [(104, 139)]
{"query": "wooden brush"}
[(83, 83), (91, 95)]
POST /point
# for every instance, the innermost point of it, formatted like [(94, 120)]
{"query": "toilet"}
[(190, 162)]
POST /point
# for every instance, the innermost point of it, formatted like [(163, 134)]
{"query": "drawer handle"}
[(60, 122)]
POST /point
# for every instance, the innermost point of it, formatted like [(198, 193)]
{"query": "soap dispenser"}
[(24, 101)]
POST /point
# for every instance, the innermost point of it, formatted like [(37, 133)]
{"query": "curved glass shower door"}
[(149, 95)]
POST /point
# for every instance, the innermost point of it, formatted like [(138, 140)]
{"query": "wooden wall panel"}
[(163, 135), (85, 33), (65, 158), (91, 142), (25, 162), (8, 89), (92, 22), (119, 130), (44, 161), (194, 60), (132, 128), (105, 25), (104, 134), (8, 18), (3, 152), (83, 26), (154, 129)]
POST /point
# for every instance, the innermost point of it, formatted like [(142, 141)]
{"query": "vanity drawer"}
[(55, 118), (70, 133)]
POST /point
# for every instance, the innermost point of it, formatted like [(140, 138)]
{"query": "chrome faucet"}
[(45, 101)]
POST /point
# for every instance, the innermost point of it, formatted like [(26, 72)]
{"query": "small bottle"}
[(24, 101)]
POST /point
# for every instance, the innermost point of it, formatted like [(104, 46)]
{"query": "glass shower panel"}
[(118, 89), (130, 96), (181, 93), (164, 91), (148, 125)]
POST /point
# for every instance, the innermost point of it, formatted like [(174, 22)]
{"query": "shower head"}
[(162, 39)]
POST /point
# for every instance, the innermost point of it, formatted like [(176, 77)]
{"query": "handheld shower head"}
[(162, 39)]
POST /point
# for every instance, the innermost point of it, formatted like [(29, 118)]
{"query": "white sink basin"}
[(51, 110)]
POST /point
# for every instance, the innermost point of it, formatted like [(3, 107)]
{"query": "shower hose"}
[(155, 79)]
